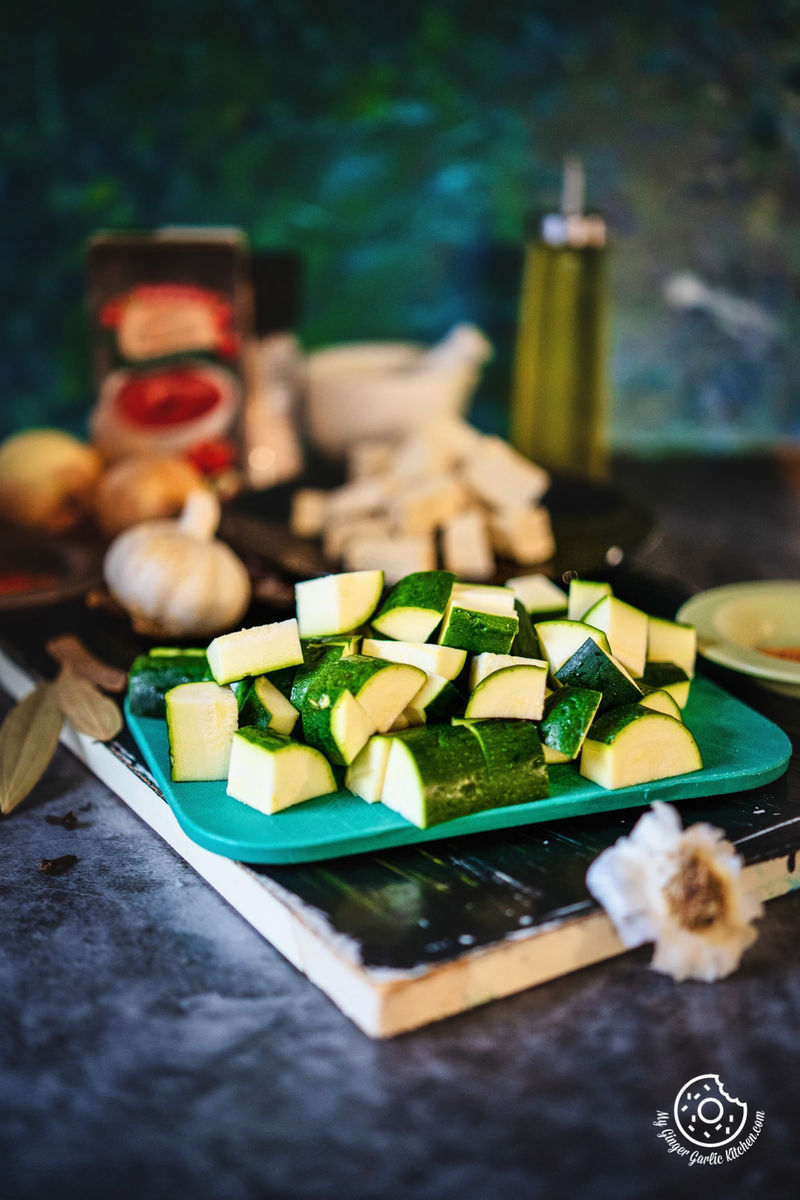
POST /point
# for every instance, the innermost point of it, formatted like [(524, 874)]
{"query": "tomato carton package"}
[(171, 314)]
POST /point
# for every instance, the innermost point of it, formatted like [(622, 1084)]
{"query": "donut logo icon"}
[(706, 1115)]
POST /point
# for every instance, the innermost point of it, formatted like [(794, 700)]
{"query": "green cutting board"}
[(740, 749)]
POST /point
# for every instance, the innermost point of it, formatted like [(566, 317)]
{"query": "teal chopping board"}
[(740, 749)]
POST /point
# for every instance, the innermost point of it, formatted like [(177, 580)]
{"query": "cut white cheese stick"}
[(524, 534), (466, 549), (538, 594), (486, 664), (368, 458), (446, 661), (436, 448), (336, 603), (421, 457), (255, 651), (367, 771), (397, 556), (359, 499), (426, 504), (502, 477), (307, 516), (339, 533)]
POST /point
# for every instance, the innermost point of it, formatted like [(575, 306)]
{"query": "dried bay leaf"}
[(72, 653), (87, 710), (28, 740)]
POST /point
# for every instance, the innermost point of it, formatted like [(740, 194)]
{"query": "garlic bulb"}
[(174, 578)]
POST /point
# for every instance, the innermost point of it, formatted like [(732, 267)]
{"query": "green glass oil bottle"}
[(560, 385)]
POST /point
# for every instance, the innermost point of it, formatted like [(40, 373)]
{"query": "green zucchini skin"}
[(662, 674), (607, 725), (475, 631), (590, 667), (447, 701), (265, 739), (152, 676), (457, 776), (568, 714), (253, 713), (424, 595), (453, 777), (526, 643), (512, 751), (316, 654)]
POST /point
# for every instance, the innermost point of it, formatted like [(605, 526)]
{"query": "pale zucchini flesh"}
[(367, 771), (337, 604), (264, 706), (635, 745), (671, 641), (415, 606), (270, 772), (560, 638), (515, 692), (254, 651), (447, 661), (201, 721), (626, 630), (583, 593), (539, 594)]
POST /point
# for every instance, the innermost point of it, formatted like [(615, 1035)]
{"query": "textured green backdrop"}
[(398, 147)]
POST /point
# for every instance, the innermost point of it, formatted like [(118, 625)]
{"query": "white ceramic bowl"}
[(739, 624), (379, 390)]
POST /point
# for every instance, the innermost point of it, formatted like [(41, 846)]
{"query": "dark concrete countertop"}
[(153, 1045)]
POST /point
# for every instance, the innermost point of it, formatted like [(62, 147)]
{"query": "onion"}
[(142, 488)]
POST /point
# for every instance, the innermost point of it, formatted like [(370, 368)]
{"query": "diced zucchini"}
[(632, 745), (366, 772), (512, 751), (583, 593), (382, 690), (334, 721), (559, 639), (669, 677), (512, 692), (415, 606), (434, 660), (177, 652), (660, 701), (592, 667), (526, 643), (315, 656), (337, 604), (152, 675), (672, 642), (436, 773), (485, 664), (254, 651), (270, 772), (480, 618), (540, 596), (201, 721), (437, 700), (568, 713), (262, 705), (626, 630)]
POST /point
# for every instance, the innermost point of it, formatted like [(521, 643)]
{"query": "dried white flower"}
[(681, 889)]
